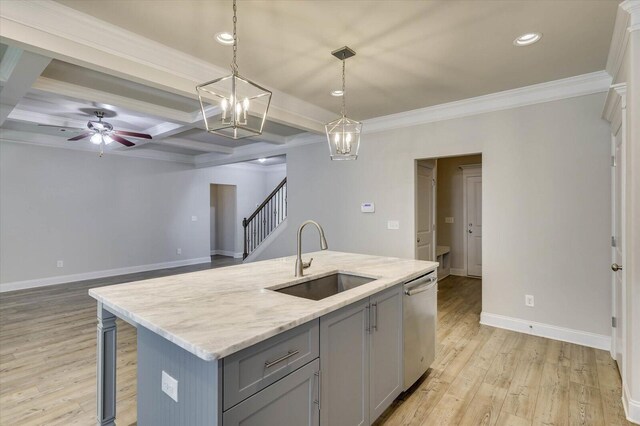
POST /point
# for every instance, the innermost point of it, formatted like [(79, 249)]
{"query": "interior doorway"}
[(222, 222), (449, 214)]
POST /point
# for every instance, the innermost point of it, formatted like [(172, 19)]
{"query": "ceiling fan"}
[(102, 133)]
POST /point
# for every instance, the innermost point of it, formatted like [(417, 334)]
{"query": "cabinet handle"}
[(318, 374), (375, 316), (269, 364), (368, 319)]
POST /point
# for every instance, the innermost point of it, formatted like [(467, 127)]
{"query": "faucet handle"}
[(305, 265)]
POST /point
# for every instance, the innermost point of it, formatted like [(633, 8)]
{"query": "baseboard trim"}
[(584, 338), (62, 279), (631, 407), (460, 272), (226, 253)]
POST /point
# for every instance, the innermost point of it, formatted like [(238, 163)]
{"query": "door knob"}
[(615, 267), (418, 239), (470, 231)]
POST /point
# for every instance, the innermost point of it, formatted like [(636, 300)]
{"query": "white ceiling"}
[(410, 54)]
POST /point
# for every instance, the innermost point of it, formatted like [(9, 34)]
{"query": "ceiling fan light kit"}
[(233, 106), (343, 134)]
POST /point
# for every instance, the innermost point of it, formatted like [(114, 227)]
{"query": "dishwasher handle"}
[(420, 285)]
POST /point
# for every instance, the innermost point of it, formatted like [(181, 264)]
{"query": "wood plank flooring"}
[(489, 376), (481, 376)]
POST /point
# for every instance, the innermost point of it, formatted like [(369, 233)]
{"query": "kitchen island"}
[(224, 346)]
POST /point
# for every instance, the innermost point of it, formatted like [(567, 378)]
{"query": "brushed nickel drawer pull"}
[(269, 364)]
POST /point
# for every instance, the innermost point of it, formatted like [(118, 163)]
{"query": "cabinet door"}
[(386, 349), (292, 401), (344, 353)]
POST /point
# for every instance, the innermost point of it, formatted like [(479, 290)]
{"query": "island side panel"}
[(106, 368), (199, 385)]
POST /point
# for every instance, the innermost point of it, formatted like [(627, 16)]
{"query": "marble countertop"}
[(217, 312)]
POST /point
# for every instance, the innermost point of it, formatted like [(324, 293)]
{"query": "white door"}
[(617, 244), (425, 238), (474, 225)]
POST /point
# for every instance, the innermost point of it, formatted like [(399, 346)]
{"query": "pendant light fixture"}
[(233, 106), (343, 134)]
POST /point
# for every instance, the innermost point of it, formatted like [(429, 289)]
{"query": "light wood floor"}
[(481, 375)]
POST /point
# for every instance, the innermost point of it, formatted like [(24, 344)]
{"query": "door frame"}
[(468, 170), (618, 127), (434, 207)]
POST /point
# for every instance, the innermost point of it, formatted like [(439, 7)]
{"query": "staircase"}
[(271, 213)]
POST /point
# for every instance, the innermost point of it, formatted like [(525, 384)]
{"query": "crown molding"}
[(64, 33), (627, 21), (615, 102), (580, 85), (14, 136)]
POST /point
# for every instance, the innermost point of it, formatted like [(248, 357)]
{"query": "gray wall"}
[(450, 204), (101, 214), (546, 204)]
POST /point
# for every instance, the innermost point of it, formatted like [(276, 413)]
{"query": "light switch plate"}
[(448, 220), (393, 224), (178, 251), (60, 264), (170, 386), (194, 218)]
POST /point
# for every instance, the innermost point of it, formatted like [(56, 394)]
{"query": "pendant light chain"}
[(344, 92), (234, 64)]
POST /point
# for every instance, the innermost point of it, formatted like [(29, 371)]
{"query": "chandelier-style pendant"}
[(234, 106), (343, 134)]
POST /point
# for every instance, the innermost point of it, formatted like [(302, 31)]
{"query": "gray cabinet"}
[(385, 382), (344, 354), (361, 356), (291, 401)]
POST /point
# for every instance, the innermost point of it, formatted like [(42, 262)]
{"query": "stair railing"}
[(265, 218)]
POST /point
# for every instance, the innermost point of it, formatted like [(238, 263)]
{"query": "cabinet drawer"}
[(252, 369), (292, 402)]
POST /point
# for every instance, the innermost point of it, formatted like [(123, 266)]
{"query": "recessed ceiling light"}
[(262, 160), (337, 93), (224, 38), (527, 39)]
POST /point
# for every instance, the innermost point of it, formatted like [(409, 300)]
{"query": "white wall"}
[(103, 215), (450, 204), (546, 205)]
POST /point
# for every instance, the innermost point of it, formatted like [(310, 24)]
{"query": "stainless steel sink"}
[(321, 288)]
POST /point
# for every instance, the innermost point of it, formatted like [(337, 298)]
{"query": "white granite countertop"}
[(217, 312)]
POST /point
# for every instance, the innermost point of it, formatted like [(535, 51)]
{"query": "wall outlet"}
[(393, 224), (194, 218), (60, 264), (178, 251), (170, 386), (448, 220), (528, 300)]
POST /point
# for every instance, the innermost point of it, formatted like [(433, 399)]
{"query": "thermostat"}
[(367, 208)]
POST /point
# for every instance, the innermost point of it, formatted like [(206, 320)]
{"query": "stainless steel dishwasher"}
[(420, 313)]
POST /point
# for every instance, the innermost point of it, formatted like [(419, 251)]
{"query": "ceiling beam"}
[(198, 146), (19, 70)]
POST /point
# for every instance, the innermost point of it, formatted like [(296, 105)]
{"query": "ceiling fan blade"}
[(81, 136), (133, 134), (122, 140)]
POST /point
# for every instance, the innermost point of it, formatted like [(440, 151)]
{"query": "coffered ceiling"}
[(139, 60)]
